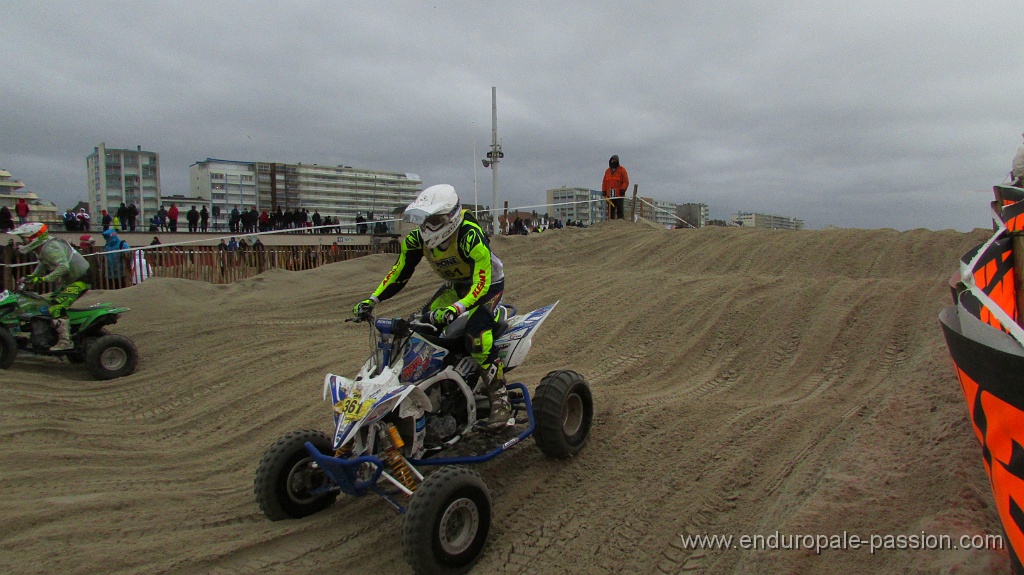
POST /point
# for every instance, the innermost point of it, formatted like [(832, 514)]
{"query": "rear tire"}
[(287, 476), (111, 356), (8, 348), (80, 356), (564, 409), (447, 522)]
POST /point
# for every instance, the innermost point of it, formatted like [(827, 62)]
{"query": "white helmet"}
[(438, 212), (32, 235)]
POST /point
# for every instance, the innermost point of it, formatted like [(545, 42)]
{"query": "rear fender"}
[(99, 314), (515, 343), (96, 310)]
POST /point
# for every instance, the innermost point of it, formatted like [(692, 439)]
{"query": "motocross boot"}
[(494, 384), (64, 342)]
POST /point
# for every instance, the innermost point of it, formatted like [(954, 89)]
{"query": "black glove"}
[(363, 309)]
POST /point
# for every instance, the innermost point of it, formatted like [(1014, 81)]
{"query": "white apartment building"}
[(117, 176), (767, 221), (340, 192), (11, 191), (665, 214), (644, 208), (8, 185), (577, 204), (222, 184)]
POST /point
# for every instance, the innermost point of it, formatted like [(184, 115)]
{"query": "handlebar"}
[(415, 321), (419, 323), (21, 290), (366, 315)]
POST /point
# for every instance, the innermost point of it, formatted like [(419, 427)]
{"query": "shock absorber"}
[(399, 467)]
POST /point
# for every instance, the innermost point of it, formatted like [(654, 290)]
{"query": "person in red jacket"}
[(172, 218), (21, 210), (616, 180)]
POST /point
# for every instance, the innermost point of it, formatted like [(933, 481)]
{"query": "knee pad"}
[(480, 344)]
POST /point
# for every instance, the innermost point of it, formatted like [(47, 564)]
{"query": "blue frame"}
[(500, 449), (343, 471)]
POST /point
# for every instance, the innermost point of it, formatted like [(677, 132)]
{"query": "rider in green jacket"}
[(60, 263), (452, 242)]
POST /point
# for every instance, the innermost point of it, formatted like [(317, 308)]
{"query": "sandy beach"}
[(746, 382)]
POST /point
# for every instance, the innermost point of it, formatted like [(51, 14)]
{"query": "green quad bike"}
[(26, 325)]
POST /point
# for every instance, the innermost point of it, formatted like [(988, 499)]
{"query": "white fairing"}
[(360, 403), (514, 344), (378, 395)]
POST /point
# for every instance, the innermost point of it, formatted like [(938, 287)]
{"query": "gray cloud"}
[(878, 114)]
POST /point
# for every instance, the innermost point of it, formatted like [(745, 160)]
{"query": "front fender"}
[(359, 403)]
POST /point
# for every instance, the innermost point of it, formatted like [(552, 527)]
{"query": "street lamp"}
[(491, 162)]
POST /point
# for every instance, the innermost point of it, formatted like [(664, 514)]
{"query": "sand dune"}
[(746, 382)]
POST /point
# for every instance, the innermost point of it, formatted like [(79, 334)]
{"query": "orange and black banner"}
[(992, 381), (1010, 207), (1013, 217)]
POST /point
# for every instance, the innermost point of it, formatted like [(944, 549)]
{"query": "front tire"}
[(289, 484), (8, 348), (447, 522), (111, 356), (565, 411)]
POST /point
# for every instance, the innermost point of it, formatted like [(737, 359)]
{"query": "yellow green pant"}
[(480, 326), (61, 300)]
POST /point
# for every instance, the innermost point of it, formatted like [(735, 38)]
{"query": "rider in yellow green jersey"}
[(456, 248)]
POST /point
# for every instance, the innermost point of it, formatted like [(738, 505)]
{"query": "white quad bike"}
[(417, 402)]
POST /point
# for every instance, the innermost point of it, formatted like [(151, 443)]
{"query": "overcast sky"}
[(894, 113)]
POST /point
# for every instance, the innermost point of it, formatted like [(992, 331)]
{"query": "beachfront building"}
[(576, 204), (644, 208), (221, 186), (340, 192), (665, 214), (767, 221), (8, 185), (694, 214), (11, 190), (117, 176)]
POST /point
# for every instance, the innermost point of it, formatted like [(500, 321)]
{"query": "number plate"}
[(352, 408)]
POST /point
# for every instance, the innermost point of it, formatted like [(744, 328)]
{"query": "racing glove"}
[(29, 282), (363, 309), (446, 315)]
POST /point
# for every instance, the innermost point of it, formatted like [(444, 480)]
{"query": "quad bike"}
[(26, 325), (418, 402)]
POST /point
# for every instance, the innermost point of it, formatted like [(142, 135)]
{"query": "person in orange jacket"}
[(614, 186)]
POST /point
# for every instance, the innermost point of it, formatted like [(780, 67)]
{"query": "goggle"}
[(436, 221)]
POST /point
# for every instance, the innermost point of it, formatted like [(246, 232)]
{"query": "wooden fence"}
[(201, 263)]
